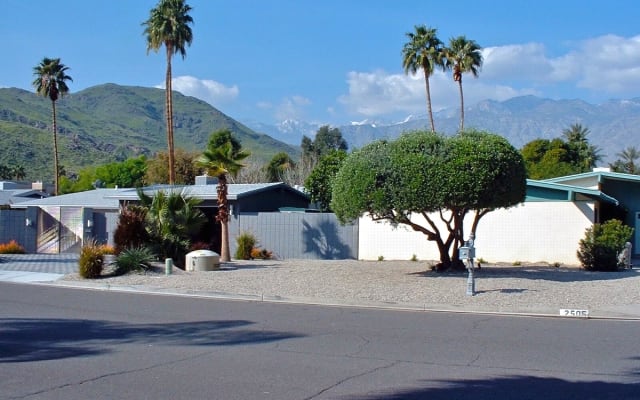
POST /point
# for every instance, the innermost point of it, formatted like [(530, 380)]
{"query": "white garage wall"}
[(530, 232)]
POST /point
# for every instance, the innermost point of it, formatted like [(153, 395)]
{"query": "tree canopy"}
[(326, 139), (546, 158), (433, 176), (318, 183)]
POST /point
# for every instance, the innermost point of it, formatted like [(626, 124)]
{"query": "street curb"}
[(593, 315)]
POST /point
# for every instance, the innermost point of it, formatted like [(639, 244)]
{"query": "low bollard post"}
[(168, 266)]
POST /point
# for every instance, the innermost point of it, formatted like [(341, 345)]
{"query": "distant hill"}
[(613, 125), (109, 123)]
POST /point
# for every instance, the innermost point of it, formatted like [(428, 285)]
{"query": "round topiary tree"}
[(433, 176)]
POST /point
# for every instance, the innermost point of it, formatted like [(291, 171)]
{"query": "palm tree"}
[(172, 219), (627, 161), (18, 172), (463, 55), (423, 51), (168, 24), (50, 81), (221, 161), (584, 155)]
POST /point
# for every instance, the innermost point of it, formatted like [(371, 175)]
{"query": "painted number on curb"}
[(564, 312)]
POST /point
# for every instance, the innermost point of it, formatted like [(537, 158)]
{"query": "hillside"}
[(109, 123)]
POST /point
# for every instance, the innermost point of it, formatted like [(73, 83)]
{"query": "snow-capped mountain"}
[(613, 125)]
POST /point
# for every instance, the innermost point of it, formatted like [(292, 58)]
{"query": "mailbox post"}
[(467, 253)]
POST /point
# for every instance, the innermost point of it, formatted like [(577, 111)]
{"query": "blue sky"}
[(333, 61)]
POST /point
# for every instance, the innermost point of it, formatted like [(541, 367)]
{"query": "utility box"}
[(202, 260), (466, 253)]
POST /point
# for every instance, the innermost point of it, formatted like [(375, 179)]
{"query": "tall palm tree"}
[(219, 162), (51, 81), (423, 51), (463, 55), (585, 155), (168, 25)]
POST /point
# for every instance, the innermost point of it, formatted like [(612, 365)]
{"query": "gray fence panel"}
[(299, 235), (12, 227)]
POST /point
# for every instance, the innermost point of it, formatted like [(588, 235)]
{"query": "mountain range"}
[(109, 122), (613, 125)]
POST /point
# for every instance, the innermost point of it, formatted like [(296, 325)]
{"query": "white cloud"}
[(607, 65), (381, 94), (293, 107), (521, 62), (212, 92), (610, 63)]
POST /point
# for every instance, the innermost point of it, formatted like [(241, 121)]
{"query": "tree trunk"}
[(461, 104), (169, 111), (56, 179), (429, 110), (223, 218)]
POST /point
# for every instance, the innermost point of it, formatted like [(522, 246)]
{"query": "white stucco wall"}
[(530, 232)]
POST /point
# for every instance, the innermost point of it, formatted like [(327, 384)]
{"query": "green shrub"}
[(91, 261), (133, 259), (246, 242), (599, 249), (11, 248), (414, 258)]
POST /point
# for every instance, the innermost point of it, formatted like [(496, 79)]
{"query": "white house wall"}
[(530, 232)]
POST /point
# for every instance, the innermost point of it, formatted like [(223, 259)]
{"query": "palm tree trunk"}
[(223, 218), (55, 149), (461, 104), (429, 110), (169, 110)]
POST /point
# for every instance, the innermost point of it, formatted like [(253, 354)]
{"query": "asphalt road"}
[(61, 343)]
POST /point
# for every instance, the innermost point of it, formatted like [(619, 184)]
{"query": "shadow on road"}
[(515, 387), (23, 340)]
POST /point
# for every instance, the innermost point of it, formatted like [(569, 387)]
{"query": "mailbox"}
[(466, 253)]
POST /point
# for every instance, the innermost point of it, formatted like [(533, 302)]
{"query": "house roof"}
[(97, 198), (16, 196), (597, 176), (110, 198), (551, 191), (235, 191)]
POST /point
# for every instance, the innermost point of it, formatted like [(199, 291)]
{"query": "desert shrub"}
[(133, 259), (246, 242), (106, 249), (91, 261), (261, 254), (11, 248), (599, 249), (131, 231)]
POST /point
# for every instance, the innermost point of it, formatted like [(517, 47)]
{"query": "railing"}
[(49, 241)]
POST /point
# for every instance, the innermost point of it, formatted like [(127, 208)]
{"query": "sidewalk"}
[(507, 290)]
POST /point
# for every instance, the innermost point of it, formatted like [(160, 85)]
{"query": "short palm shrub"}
[(11, 248), (599, 249), (91, 261), (133, 259), (246, 242)]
